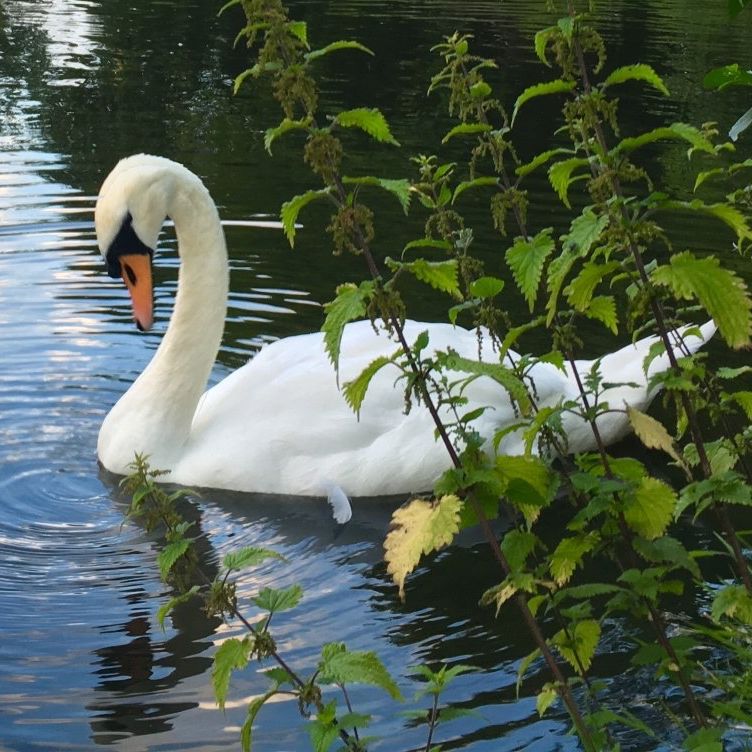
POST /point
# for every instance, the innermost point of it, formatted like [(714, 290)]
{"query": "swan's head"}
[(131, 208)]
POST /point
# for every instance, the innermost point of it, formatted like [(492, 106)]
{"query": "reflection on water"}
[(83, 662)]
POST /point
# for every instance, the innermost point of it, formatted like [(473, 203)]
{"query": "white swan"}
[(279, 424)]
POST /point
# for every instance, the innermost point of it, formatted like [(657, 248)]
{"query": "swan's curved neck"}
[(158, 409)]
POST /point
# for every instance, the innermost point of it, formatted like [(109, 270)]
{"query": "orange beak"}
[(136, 271)]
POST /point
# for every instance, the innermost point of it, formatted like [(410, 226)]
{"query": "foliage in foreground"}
[(614, 265), (328, 719)]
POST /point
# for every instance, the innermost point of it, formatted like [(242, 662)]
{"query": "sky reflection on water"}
[(83, 662)]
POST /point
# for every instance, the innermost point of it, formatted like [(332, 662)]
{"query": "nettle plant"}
[(614, 264)]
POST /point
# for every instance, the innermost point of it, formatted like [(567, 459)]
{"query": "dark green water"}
[(82, 662)]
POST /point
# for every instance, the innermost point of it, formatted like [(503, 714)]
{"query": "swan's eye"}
[(131, 274)]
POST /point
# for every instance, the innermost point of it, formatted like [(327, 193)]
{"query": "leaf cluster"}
[(613, 265)]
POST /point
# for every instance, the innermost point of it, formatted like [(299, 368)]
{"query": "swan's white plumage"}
[(280, 424)]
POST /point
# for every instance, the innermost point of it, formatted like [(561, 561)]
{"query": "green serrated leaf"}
[(726, 213), (727, 75), (477, 183), (723, 295), (170, 554), (730, 488), (603, 308), (275, 600), (734, 602), (589, 590), (544, 416), (352, 720), (441, 275), (650, 508), (560, 175), (232, 655), (335, 47), (370, 121), (539, 160), (454, 311), (585, 230), (517, 545), (504, 376), (293, 207), (418, 528), (167, 608), (350, 304), (443, 245), (287, 125), (569, 554), (400, 188), (249, 556), (703, 176), (324, 729), (673, 132), (298, 29), (558, 270), (466, 129), (732, 373), (648, 655), (706, 739), (744, 400), (501, 593), (541, 43), (355, 390), (557, 86), (241, 78), (480, 90), (524, 666), (341, 666), (545, 698), (666, 549), (577, 645), (580, 290), (638, 72), (228, 5), (486, 287), (246, 731), (534, 476), (566, 25), (526, 259)]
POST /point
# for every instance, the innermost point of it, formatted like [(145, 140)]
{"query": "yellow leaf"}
[(419, 527), (653, 434), (499, 595)]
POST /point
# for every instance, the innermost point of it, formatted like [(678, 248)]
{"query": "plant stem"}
[(532, 624), (349, 708), (656, 619), (432, 721)]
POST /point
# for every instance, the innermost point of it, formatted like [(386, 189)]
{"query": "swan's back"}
[(283, 425)]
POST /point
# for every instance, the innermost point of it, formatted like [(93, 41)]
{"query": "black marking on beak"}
[(125, 242), (131, 274)]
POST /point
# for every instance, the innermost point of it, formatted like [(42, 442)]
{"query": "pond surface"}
[(83, 663)]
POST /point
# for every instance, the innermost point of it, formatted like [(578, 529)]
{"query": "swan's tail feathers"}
[(340, 504), (684, 342), (628, 366)]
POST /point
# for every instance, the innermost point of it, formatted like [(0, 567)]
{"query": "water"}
[(83, 663)]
